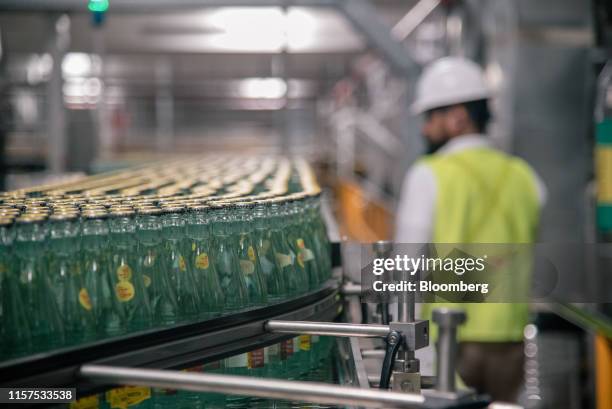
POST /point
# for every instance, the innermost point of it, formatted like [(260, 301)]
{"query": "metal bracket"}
[(415, 334), (409, 382)]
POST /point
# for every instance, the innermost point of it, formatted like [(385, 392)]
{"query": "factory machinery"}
[(540, 55), (94, 308)]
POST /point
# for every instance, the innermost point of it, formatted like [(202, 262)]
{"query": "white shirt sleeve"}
[(416, 208), (542, 192)]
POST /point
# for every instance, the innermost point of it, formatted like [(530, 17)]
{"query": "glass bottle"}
[(225, 259), (107, 308), (283, 255), (301, 239), (277, 289), (214, 400), (42, 311), (123, 276), (163, 299), (76, 307), (250, 363), (320, 234), (199, 261), (247, 254), (173, 233), (295, 242), (15, 334), (310, 227)]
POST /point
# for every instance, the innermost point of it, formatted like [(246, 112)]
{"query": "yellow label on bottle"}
[(305, 342), (122, 398), (193, 246), (201, 261), (283, 260), (124, 272), (147, 280), (247, 267), (251, 253), (88, 402), (300, 243), (181, 264), (300, 259), (256, 358), (84, 299), (125, 291)]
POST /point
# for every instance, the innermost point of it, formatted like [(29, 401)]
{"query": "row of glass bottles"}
[(306, 358), (74, 278)]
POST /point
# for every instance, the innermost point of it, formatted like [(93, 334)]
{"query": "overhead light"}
[(76, 65), (263, 88), (261, 29)]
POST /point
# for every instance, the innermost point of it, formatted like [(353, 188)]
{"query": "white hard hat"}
[(449, 81)]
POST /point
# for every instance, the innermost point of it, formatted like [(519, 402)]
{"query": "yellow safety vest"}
[(485, 196)]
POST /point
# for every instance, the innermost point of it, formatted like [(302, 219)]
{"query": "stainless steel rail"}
[(243, 385), (324, 328)]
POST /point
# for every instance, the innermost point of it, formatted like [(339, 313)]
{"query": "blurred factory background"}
[(84, 91), (332, 82)]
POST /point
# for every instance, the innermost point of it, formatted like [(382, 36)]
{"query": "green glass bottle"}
[(108, 311), (47, 330), (200, 264), (294, 241), (16, 337), (163, 398), (237, 365), (289, 354), (283, 255), (173, 232), (225, 259), (214, 400), (164, 303), (247, 254), (300, 239), (77, 312), (187, 399), (251, 363), (320, 235), (124, 276), (277, 289)]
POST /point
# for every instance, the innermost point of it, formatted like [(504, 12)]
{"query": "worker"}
[(466, 191)]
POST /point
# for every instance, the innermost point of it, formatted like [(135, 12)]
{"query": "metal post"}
[(56, 114), (364, 17), (447, 320), (327, 328), (417, 14), (382, 249), (164, 106), (406, 314), (406, 374), (406, 301), (251, 386)]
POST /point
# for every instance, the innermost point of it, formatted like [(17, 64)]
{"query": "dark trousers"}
[(492, 368)]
